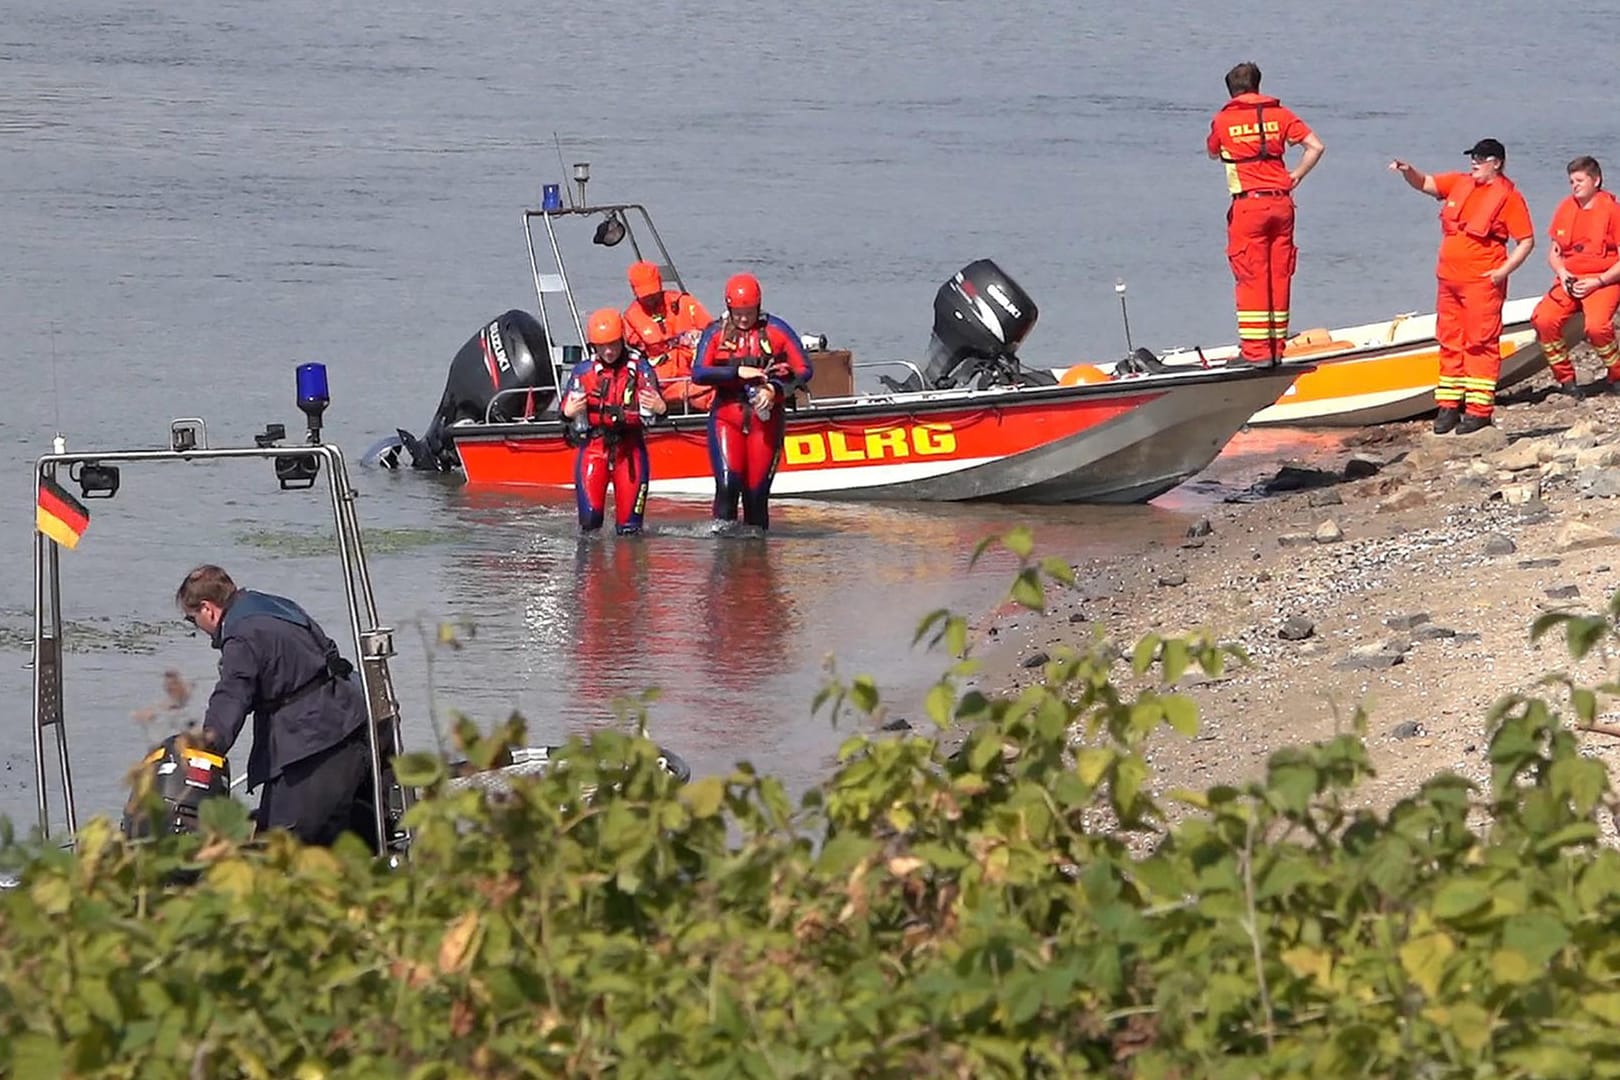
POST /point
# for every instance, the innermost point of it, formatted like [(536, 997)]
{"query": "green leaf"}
[(1176, 659), (1058, 569), (1605, 1007), (1459, 898), (1471, 1026), (704, 797), (33, 1054), (940, 703), (842, 852), (419, 770), (1019, 540), (1026, 591), (863, 693), (1092, 764), (1539, 936), (984, 749), (956, 629), (1181, 714), (1142, 656), (1424, 960), (1513, 968)]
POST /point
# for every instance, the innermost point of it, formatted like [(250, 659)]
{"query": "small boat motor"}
[(981, 316), (509, 354), (182, 777)]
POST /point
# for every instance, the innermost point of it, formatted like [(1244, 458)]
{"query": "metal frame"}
[(549, 218), (373, 643)]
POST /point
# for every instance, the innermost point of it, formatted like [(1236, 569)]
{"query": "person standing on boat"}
[(610, 397), (309, 717), (1249, 136), (1481, 210), (1585, 260), (665, 325), (754, 361)]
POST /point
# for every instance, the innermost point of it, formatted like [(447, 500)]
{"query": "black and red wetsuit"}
[(615, 447), (743, 448)]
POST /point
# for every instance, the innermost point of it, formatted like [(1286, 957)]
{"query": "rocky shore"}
[(1403, 581)]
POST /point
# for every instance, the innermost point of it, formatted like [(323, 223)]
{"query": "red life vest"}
[(1478, 211), (610, 396), (1585, 238)]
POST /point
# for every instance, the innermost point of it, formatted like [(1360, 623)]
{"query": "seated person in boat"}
[(755, 362), (610, 398), (665, 324)]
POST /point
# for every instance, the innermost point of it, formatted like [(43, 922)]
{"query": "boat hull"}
[(1120, 442)]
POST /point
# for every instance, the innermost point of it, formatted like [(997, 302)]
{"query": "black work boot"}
[(1472, 423), (1567, 388), (1446, 419)]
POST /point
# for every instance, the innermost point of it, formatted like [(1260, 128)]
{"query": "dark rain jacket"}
[(276, 663)]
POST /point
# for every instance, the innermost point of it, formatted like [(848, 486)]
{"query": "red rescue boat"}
[(973, 423)]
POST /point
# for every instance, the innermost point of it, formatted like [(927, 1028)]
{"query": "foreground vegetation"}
[(1020, 906)]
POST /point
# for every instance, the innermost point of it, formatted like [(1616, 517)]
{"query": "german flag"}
[(59, 515)]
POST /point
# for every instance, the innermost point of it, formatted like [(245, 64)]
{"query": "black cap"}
[(1488, 148)]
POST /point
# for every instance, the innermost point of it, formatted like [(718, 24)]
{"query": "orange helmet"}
[(742, 291), (645, 280), (605, 327)]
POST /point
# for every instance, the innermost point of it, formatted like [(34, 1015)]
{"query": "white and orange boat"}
[(975, 424), (1376, 373)]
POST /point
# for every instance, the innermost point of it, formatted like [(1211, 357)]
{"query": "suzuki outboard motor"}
[(510, 353), (181, 777), (981, 316)]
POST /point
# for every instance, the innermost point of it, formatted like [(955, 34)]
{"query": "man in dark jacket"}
[(309, 717)]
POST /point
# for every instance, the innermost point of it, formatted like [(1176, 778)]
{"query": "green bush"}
[(1017, 906)]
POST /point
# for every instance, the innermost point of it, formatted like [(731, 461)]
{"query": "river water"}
[(195, 197)]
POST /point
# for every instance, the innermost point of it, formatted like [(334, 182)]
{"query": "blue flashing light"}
[(313, 396), (551, 197)]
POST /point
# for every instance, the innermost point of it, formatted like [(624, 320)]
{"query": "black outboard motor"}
[(509, 353), (181, 776), (981, 316)]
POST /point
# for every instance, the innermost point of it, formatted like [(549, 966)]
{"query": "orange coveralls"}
[(1476, 221), (1249, 135), (1589, 241), (657, 331)]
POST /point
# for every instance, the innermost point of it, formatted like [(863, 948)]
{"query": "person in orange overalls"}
[(1481, 210), (1585, 260), (1249, 136), (664, 325)]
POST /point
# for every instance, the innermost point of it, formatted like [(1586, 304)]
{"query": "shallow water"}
[(197, 197)]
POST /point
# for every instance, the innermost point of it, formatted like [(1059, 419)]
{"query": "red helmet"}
[(605, 327), (742, 291)]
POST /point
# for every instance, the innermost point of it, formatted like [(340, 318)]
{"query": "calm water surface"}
[(196, 197)]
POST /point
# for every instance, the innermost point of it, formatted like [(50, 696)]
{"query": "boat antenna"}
[(58, 444), (1124, 313), (563, 167)]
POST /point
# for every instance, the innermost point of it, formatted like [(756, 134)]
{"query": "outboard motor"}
[(511, 352), (981, 316), (181, 776)]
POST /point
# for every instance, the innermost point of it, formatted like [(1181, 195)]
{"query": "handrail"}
[(489, 409), (907, 364)]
